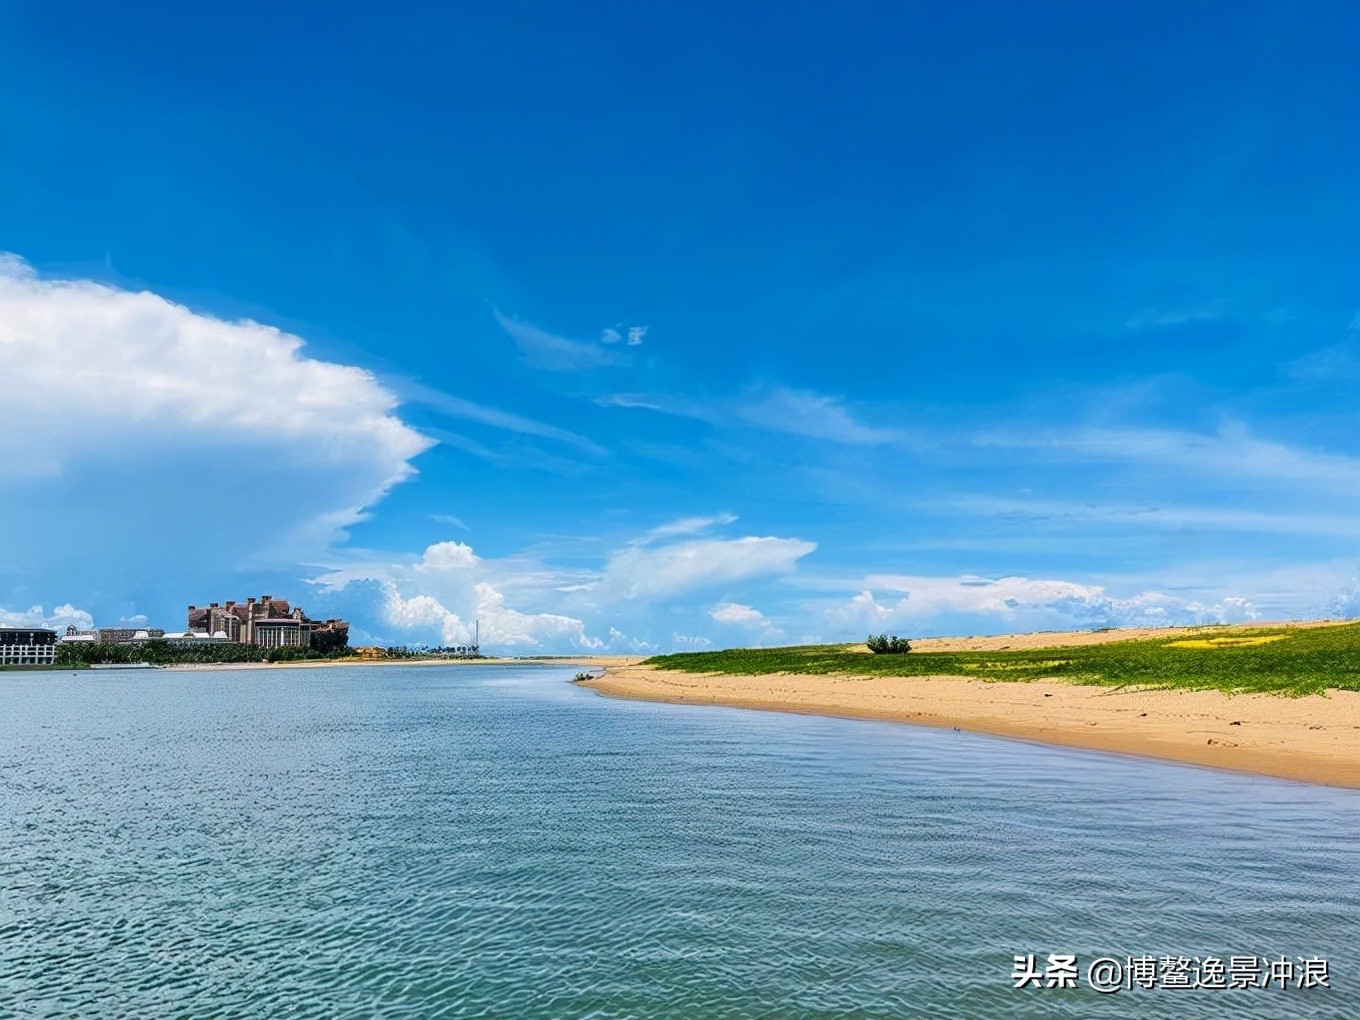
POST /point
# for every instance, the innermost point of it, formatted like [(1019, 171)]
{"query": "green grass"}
[(1303, 661)]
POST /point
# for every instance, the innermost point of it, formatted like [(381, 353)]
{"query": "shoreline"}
[(589, 661), (1312, 739)]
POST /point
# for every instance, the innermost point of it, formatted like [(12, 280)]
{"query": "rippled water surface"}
[(493, 841)]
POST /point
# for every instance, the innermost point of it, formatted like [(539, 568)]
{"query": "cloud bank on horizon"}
[(753, 374), (236, 421)]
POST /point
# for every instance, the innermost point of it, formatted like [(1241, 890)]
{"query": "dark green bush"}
[(883, 644)]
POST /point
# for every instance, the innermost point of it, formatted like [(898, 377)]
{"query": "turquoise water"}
[(492, 841)]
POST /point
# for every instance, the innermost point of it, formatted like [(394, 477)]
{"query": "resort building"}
[(27, 646), (268, 622)]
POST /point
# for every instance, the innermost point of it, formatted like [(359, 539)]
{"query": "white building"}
[(27, 646)]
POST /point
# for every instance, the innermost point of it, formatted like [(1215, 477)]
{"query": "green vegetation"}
[(883, 644), (1294, 662), (78, 654)]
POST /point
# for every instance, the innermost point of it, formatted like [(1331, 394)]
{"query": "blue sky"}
[(633, 326)]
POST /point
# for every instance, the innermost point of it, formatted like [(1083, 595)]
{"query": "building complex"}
[(267, 622)]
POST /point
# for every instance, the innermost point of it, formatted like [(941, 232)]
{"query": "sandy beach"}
[(1313, 739)]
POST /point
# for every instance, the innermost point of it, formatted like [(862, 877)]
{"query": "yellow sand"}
[(1315, 739)]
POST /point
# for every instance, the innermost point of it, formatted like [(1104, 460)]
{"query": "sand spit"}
[(1313, 739)]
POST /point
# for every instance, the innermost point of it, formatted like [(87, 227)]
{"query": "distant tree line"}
[(884, 644), (164, 653)]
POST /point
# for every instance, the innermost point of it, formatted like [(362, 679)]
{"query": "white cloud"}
[(138, 435), (521, 600), (684, 526), (1174, 517), (426, 620), (635, 335), (1022, 603), (1345, 604), (460, 407), (1232, 452), (60, 618), (448, 556), (551, 353), (1339, 362), (90, 367), (757, 626), (1155, 317), (505, 626), (440, 597), (424, 615), (811, 414), (619, 642), (633, 401), (779, 409), (738, 614), (659, 572), (457, 522)]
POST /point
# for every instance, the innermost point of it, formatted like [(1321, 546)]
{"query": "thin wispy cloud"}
[(1151, 318), (1232, 452), (1338, 363), (1131, 518), (551, 353), (814, 415), (684, 526), (460, 407), (457, 522), (777, 409)]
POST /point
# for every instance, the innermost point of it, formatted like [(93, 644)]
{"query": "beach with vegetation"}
[(1274, 699)]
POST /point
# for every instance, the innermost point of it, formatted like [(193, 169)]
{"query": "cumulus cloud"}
[(441, 596), (619, 642), (138, 436), (448, 556), (423, 616), (736, 613), (425, 619), (88, 366), (433, 597), (508, 626), (755, 624), (639, 572), (1020, 602), (1345, 604), (60, 618)]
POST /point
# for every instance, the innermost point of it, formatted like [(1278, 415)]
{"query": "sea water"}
[(493, 841)]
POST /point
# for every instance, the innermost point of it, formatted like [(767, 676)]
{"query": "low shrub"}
[(883, 644)]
